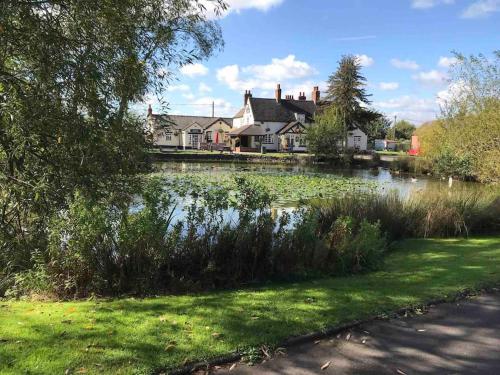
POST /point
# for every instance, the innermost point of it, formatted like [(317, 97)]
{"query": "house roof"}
[(240, 113), (290, 126), (265, 109), (181, 122), (248, 130)]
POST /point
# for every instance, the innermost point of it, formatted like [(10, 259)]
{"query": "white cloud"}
[(181, 87), (239, 5), (262, 5), (189, 96), (230, 75), (405, 64), (281, 69), (365, 60), (454, 91), (432, 77), (413, 109), (193, 70), (426, 4), (388, 86), (265, 77), (203, 87), (446, 62), (481, 8)]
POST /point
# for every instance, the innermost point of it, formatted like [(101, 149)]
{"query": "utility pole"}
[(394, 127), (213, 108)]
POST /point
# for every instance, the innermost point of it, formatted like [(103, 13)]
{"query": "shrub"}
[(228, 237), (423, 214)]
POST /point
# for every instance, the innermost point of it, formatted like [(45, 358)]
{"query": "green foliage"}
[(33, 282), (466, 141), (424, 214), (226, 236), (377, 128), (69, 71), (347, 95), (403, 130), (326, 136), (354, 246), (448, 163), (346, 88)]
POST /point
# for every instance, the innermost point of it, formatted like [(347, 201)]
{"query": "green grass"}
[(139, 335)]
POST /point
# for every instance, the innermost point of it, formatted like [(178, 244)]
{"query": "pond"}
[(292, 183)]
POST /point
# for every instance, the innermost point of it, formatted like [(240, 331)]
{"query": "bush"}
[(423, 214), (448, 163), (226, 238)]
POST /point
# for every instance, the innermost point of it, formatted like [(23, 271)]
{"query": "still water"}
[(386, 180)]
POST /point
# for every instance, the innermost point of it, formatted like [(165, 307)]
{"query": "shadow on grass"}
[(165, 332)]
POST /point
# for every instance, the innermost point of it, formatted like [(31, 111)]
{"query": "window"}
[(302, 141), (268, 139), (300, 117), (168, 135), (209, 136), (195, 131)]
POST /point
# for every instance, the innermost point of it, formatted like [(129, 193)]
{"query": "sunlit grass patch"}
[(137, 336)]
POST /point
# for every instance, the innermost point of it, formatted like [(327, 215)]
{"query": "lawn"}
[(130, 335)]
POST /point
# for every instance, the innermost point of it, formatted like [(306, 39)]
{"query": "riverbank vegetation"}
[(193, 236), (465, 142), (69, 73), (142, 336)]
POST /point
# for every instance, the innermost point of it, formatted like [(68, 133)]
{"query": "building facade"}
[(189, 132), (276, 124)]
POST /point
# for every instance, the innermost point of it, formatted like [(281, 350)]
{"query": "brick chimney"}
[(302, 96), (150, 111), (277, 93), (248, 95), (315, 94)]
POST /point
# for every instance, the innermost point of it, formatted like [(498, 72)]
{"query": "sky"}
[(404, 46)]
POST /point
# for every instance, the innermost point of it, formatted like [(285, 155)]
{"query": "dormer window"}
[(300, 117)]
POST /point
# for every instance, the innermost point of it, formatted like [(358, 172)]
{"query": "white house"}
[(280, 124), (357, 140), (189, 132)]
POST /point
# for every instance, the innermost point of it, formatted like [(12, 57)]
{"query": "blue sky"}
[(404, 45)]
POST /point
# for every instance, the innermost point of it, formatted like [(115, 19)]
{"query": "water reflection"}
[(404, 184)]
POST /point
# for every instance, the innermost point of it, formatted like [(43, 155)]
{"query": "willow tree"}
[(347, 93), (465, 142), (69, 71)]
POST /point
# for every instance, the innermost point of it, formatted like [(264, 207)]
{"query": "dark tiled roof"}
[(248, 130), (181, 122), (289, 126), (270, 110)]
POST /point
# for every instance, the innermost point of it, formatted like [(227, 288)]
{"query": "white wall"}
[(360, 143)]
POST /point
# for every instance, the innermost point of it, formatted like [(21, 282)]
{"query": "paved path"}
[(457, 338)]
